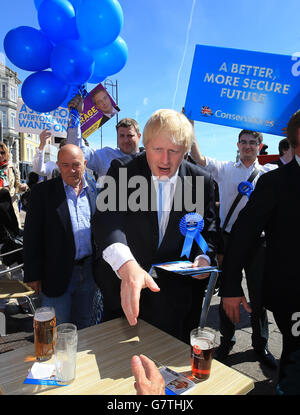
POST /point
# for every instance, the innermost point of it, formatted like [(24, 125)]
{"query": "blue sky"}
[(160, 57)]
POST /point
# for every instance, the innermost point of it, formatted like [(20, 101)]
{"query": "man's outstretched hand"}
[(134, 279)]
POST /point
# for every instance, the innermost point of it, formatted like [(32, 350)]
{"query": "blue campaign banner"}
[(243, 89)]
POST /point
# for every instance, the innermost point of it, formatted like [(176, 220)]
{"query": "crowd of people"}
[(78, 248)]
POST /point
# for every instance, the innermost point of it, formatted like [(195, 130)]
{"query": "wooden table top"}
[(103, 363)]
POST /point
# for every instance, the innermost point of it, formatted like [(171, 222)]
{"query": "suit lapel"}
[(62, 207), (152, 198), (91, 194), (178, 211), (144, 170)]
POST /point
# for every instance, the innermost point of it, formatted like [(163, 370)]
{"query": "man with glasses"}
[(228, 176)]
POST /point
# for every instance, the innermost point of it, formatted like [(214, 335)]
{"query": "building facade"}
[(9, 83), (28, 145)]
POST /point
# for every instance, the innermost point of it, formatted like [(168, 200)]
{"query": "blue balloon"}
[(43, 92), (99, 22), (57, 20), (28, 48), (110, 59), (72, 62), (37, 3), (75, 3), (94, 79)]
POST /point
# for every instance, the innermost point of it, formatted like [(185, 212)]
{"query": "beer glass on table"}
[(202, 350), (65, 352), (43, 323)]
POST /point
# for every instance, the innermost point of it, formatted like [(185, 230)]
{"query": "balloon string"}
[(74, 116)]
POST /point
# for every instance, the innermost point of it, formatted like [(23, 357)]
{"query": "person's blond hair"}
[(173, 122), (4, 148)]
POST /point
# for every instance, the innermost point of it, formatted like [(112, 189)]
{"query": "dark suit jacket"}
[(278, 162), (179, 296), (49, 247), (274, 207), (106, 118)]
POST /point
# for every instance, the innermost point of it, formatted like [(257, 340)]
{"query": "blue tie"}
[(160, 209)]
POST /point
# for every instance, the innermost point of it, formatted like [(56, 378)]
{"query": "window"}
[(4, 119), (3, 91), (13, 96), (13, 120)]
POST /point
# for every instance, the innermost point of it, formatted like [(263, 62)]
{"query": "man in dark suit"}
[(273, 207), (57, 240), (131, 237)]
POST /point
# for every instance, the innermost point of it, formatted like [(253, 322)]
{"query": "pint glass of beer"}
[(202, 350), (43, 323)]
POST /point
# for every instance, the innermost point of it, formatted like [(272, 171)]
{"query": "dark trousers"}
[(258, 317), (288, 324)]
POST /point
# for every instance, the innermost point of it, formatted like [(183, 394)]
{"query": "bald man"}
[(57, 240)]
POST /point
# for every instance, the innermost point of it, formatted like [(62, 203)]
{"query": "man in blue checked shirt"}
[(58, 247)]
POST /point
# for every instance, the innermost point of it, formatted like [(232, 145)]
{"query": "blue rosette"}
[(245, 188), (191, 226)]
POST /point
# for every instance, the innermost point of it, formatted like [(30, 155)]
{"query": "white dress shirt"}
[(40, 167), (111, 114), (229, 175)]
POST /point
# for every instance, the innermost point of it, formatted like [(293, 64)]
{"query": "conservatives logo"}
[(205, 110)]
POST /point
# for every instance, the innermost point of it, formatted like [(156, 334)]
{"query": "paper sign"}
[(30, 121), (243, 89)]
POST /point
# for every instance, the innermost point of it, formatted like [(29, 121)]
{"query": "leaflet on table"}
[(175, 383), (42, 374), (183, 267)]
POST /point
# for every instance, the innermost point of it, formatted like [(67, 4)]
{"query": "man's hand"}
[(231, 307), (44, 136), (201, 262), (77, 103), (23, 187), (148, 379), (35, 285), (134, 279)]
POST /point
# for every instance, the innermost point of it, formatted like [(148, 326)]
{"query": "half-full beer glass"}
[(43, 323), (202, 350)]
